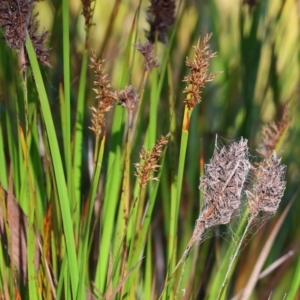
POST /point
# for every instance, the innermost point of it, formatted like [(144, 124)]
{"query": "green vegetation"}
[(108, 121)]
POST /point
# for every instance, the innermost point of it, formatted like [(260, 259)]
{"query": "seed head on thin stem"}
[(222, 183), (269, 187), (128, 97), (87, 12), (149, 162), (272, 133), (199, 72), (147, 51), (105, 96)]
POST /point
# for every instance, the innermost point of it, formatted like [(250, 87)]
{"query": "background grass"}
[(100, 250)]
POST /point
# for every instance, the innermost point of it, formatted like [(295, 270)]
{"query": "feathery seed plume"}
[(222, 183), (268, 190)]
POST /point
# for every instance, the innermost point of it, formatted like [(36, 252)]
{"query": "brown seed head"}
[(199, 72), (147, 51), (269, 187), (149, 162), (16, 21), (87, 11), (128, 97), (161, 16), (223, 183), (272, 133), (105, 96)]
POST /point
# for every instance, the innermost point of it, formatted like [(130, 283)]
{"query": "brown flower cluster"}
[(149, 162), (87, 12), (272, 133), (161, 16), (106, 98), (147, 50), (199, 72), (223, 185), (269, 187), (128, 97), (16, 21)]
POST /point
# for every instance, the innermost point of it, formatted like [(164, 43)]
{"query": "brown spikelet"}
[(268, 188), (87, 12), (222, 185), (149, 162), (161, 16), (16, 20), (272, 133), (147, 50), (199, 72), (104, 95), (38, 41), (128, 97)]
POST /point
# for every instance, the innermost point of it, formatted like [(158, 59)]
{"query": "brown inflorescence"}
[(149, 162), (269, 187), (147, 50), (87, 12), (17, 20), (199, 72), (106, 98), (272, 133), (128, 97), (222, 184), (161, 16)]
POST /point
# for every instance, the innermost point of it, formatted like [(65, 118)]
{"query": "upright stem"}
[(233, 258)]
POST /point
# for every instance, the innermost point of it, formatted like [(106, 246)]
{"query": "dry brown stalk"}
[(199, 72), (147, 50), (149, 161), (17, 20), (161, 16), (106, 98)]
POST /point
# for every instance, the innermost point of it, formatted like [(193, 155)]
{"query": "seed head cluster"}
[(269, 187), (106, 98), (16, 21), (147, 50), (199, 75), (87, 12), (161, 16), (223, 188), (272, 133), (149, 162)]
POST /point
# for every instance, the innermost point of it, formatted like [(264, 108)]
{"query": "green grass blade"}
[(58, 169), (78, 138), (67, 98)]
